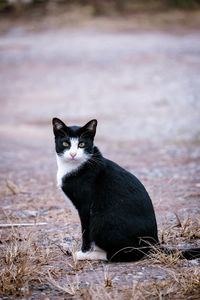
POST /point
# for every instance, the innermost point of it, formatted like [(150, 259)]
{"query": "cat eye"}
[(81, 145), (66, 144)]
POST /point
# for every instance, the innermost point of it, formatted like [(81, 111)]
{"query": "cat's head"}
[(74, 144)]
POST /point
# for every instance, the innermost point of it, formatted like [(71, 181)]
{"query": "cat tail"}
[(189, 254)]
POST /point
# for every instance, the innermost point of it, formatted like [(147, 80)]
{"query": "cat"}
[(117, 216)]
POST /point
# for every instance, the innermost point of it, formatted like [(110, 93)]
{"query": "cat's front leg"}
[(86, 243), (85, 223)]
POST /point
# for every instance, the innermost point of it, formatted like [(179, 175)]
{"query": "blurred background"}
[(128, 63), (102, 6), (132, 65)]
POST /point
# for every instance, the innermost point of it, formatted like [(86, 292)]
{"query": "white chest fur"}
[(64, 168)]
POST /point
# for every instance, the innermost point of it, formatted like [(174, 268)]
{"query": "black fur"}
[(115, 209)]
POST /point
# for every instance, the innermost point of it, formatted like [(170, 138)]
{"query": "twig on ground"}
[(22, 224)]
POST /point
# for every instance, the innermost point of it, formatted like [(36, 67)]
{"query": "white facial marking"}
[(70, 160)]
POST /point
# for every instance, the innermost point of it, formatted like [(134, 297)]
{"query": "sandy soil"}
[(142, 86)]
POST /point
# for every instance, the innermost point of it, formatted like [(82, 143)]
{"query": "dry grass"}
[(177, 285), (21, 263), (26, 265), (69, 288), (184, 230)]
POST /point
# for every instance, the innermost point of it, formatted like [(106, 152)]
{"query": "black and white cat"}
[(117, 216)]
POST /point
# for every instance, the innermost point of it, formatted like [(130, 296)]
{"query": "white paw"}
[(91, 255), (80, 255), (98, 255)]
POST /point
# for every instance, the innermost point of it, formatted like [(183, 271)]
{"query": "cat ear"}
[(59, 128), (90, 127)]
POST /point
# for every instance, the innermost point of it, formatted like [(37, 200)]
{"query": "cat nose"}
[(73, 154)]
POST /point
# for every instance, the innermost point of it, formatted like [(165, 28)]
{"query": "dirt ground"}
[(143, 88)]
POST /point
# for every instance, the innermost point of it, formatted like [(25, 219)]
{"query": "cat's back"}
[(118, 189), (118, 177)]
